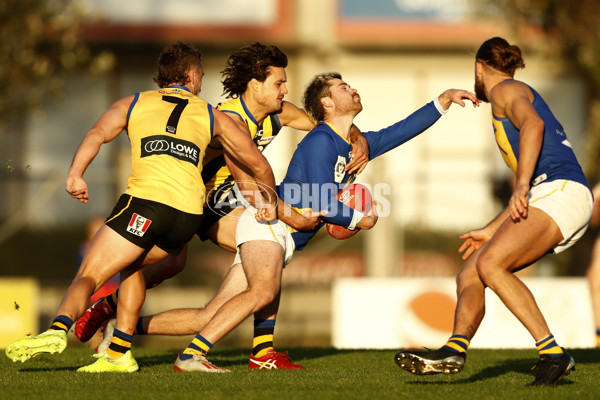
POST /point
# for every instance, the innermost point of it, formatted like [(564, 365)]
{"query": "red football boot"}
[(273, 360), (92, 319)]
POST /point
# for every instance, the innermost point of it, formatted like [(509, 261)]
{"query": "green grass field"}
[(330, 374)]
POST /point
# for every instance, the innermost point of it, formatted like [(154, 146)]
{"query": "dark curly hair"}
[(315, 91), (500, 55), (174, 62), (250, 62)]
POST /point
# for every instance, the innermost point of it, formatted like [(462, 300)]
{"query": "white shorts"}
[(568, 203), (248, 229)]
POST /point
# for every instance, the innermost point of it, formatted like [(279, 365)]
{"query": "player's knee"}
[(265, 296), (88, 280), (173, 266), (486, 269), (467, 276)]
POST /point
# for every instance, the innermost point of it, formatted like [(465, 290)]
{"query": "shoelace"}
[(283, 356), (100, 355)]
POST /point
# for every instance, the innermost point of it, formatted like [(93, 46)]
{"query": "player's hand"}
[(370, 218), (267, 213), (519, 202), (360, 157), (473, 240), (311, 220), (457, 96), (77, 188)]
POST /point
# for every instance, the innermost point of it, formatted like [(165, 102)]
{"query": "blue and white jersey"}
[(556, 160), (316, 172)]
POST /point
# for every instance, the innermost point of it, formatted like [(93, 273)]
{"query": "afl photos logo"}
[(180, 149), (222, 199)]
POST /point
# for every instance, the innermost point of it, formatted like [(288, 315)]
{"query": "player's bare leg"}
[(262, 262), (514, 245), (96, 268), (167, 267), (109, 253), (222, 232), (468, 314), (479, 271), (593, 276), (189, 321)]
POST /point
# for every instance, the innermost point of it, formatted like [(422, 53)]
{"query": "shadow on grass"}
[(228, 357), (48, 369), (520, 366), (585, 356)]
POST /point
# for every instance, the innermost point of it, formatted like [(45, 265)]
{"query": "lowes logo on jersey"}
[(180, 149), (138, 225)]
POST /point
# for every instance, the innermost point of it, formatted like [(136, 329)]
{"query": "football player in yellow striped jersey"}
[(169, 130), (255, 80)]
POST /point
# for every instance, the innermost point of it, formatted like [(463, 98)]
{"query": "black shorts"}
[(147, 223), (219, 203)]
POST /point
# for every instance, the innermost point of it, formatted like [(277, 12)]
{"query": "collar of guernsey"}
[(169, 130)]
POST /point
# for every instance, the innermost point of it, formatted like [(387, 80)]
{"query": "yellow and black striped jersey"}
[(169, 130), (215, 171)]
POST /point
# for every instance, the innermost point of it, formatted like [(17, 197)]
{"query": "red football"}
[(355, 196)]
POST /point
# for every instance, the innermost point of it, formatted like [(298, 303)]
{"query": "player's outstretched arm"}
[(295, 117), (457, 96), (306, 221), (247, 185), (108, 127)]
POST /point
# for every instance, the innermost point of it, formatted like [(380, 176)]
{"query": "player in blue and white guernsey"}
[(548, 211), (319, 162)]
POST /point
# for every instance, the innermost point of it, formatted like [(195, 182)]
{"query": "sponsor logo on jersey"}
[(180, 149), (338, 170), (265, 141), (138, 225), (258, 135)]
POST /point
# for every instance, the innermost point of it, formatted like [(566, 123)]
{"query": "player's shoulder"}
[(511, 88), (233, 108), (230, 104), (508, 92)]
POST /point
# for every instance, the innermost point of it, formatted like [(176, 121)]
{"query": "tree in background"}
[(39, 43), (568, 32)]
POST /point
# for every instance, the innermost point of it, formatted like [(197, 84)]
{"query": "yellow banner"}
[(18, 309)]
